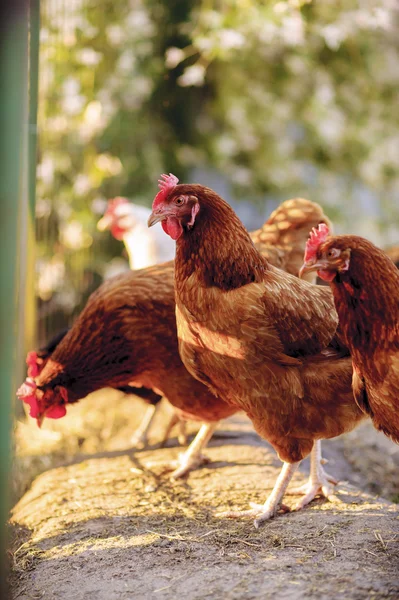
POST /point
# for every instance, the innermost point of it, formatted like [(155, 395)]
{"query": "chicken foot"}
[(263, 512), (319, 482), (193, 457)]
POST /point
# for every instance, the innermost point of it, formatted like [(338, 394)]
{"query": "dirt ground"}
[(103, 522)]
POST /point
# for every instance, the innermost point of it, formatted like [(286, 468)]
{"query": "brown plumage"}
[(126, 335), (258, 337), (37, 360), (365, 286), (44, 353), (283, 236)]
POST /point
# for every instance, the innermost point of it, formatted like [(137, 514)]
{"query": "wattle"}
[(172, 227), (118, 232), (326, 275), (56, 412), (33, 364), (34, 406)]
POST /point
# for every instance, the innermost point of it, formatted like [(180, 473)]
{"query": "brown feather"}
[(257, 335), (366, 297)]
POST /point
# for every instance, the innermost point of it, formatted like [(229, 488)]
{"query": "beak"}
[(40, 420), (104, 223), (155, 218), (308, 267)]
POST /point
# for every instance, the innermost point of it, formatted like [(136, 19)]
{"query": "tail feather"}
[(283, 237)]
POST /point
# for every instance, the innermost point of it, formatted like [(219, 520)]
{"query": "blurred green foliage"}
[(280, 98)]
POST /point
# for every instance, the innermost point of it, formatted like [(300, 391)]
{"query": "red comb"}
[(27, 393), (317, 237), (35, 364), (166, 184)]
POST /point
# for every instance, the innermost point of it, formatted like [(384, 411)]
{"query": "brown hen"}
[(259, 338), (36, 361), (365, 286)]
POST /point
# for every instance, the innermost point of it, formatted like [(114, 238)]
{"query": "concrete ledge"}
[(113, 527)]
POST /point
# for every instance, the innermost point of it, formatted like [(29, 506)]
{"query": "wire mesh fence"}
[(63, 280), (263, 102)]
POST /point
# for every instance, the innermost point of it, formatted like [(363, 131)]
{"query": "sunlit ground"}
[(111, 525), (106, 421)]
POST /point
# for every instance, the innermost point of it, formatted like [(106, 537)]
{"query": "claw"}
[(236, 514), (193, 457), (261, 512), (319, 483), (273, 505), (304, 489), (315, 489), (187, 463), (139, 441)]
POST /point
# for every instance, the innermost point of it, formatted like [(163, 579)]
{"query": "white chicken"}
[(145, 247), (128, 223)]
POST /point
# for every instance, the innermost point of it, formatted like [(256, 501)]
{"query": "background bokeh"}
[(260, 100)]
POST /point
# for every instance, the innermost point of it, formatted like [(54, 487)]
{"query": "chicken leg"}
[(263, 512), (140, 437), (182, 435), (319, 482), (193, 457)]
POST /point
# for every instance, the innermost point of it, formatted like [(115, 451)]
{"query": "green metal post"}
[(13, 202), (34, 41), (27, 271)]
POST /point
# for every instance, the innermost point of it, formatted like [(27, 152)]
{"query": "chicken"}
[(36, 361), (259, 338), (127, 335), (365, 285), (128, 223)]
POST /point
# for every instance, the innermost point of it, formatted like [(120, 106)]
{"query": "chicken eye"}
[(179, 200), (333, 253)]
